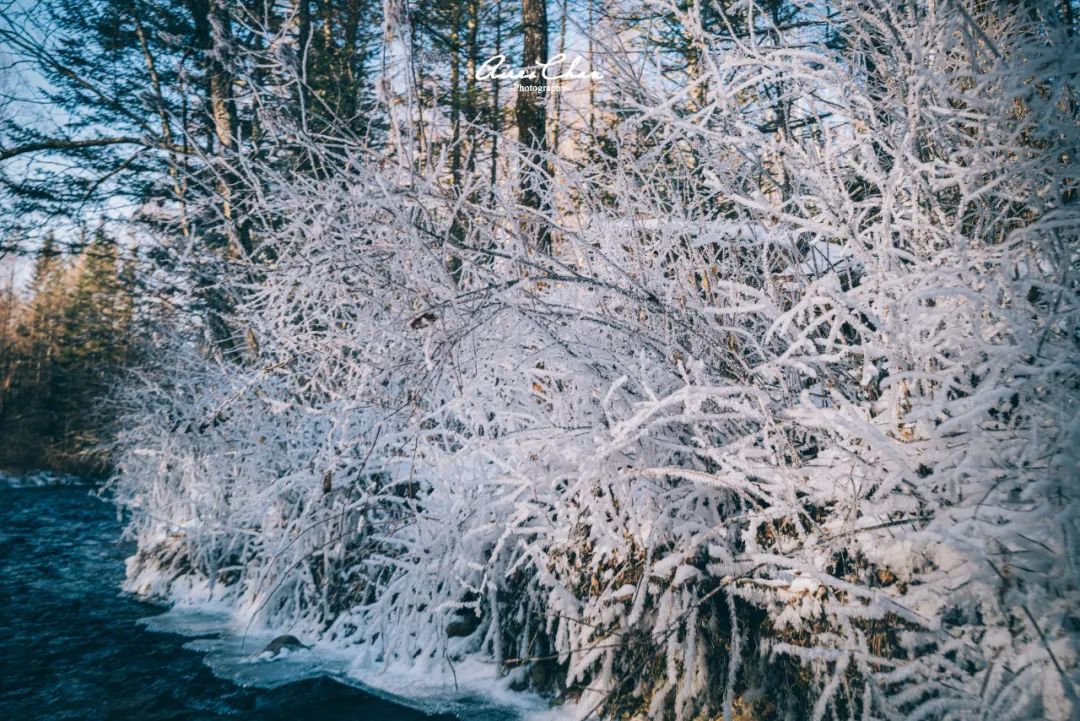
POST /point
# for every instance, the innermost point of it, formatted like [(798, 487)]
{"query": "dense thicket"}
[(747, 391)]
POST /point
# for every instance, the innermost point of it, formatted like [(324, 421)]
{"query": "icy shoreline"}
[(468, 689)]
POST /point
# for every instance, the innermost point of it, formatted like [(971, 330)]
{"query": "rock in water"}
[(287, 642)]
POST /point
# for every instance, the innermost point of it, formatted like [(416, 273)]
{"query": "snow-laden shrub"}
[(786, 430)]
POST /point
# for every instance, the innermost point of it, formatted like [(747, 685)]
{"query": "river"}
[(72, 646)]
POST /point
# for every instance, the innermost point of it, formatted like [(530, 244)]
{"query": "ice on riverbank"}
[(469, 689)]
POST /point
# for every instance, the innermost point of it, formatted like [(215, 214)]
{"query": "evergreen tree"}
[(69, 342)]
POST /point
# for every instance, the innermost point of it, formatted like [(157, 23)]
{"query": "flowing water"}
[(72, 647)]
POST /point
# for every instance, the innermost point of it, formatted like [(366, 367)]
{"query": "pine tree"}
[(48, 291), (64, 347)]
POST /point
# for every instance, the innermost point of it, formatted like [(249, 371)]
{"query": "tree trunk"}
[(556, 124), (496, 111), (532, 124), (213, 30)]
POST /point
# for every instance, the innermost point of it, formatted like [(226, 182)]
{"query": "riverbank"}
[(74, 646)]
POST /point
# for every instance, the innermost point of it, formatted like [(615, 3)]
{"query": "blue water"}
[(71, 647)]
